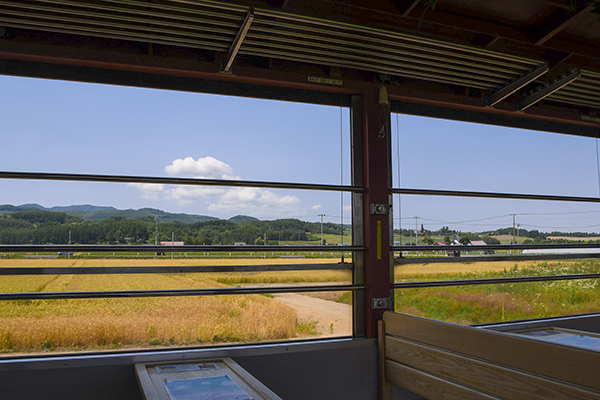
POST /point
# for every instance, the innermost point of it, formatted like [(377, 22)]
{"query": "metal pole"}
[(514, 237), (416, 227), (156, 217), (321, 215), (376, 180), (156, 236), (172, 243)]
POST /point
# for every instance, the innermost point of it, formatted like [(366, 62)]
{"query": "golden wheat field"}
[(415, 270), (36, 325), (33, 325)]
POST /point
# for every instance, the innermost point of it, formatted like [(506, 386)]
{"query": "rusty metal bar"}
[(237, 43), (511, 88), (547, 91)]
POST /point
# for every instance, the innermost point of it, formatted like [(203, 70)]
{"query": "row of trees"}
[(526, 236), (44, 227)]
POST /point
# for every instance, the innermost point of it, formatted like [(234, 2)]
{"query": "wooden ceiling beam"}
[(560, 23), (461, 24), (405, 7)]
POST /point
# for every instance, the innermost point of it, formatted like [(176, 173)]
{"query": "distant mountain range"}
[(97, 213)]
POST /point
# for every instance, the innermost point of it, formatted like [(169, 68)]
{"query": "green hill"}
[(242, 218), (96, 213)]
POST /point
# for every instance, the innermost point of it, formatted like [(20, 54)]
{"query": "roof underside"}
[(527, 56)]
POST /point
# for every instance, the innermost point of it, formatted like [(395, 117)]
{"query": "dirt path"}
[(333, 319)]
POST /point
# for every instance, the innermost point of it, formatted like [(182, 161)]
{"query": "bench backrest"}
[(438, 360)]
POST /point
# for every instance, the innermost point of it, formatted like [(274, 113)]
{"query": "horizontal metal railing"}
[(21, 248), (173, 249), (533, 246), (495, 257), (176, 292), (174, 181), (492, 281), (169, 269), (492, 258), (494, 195), (547, 252)]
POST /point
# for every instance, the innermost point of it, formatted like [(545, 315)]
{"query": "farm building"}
[(516, 64), (478, 243)]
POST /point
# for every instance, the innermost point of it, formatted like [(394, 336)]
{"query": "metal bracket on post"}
[(225, 64), (381, 302), (380, 209)]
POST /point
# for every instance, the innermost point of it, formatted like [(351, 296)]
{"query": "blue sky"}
[(55, 126), (441, 154)]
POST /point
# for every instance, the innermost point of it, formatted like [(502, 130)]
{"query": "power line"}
[(562, 227)]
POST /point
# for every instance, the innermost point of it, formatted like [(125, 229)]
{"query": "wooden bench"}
[(441, 360)]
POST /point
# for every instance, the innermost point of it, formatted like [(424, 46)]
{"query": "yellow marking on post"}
[(379, 240)]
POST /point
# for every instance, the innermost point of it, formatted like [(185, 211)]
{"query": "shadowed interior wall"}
[(304, 372)]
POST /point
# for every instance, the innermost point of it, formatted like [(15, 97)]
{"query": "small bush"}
[(308, 328)]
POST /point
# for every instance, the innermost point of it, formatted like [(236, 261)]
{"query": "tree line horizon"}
[(52, 227)]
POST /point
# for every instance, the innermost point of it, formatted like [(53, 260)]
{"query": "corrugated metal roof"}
[(214, 26)]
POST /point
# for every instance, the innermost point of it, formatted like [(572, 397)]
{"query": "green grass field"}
[(500, 302)]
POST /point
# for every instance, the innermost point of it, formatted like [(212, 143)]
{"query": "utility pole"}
[(514, 235), (518, 239), (416, 226), (321, 215), (156, 217)]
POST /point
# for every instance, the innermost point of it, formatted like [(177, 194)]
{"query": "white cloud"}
[(188, 193), (257, 202), (206, 168), (149, 191), (316, 207), (347, 208), (252, 201)]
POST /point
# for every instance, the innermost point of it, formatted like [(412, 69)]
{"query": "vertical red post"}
[(377, 181)]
